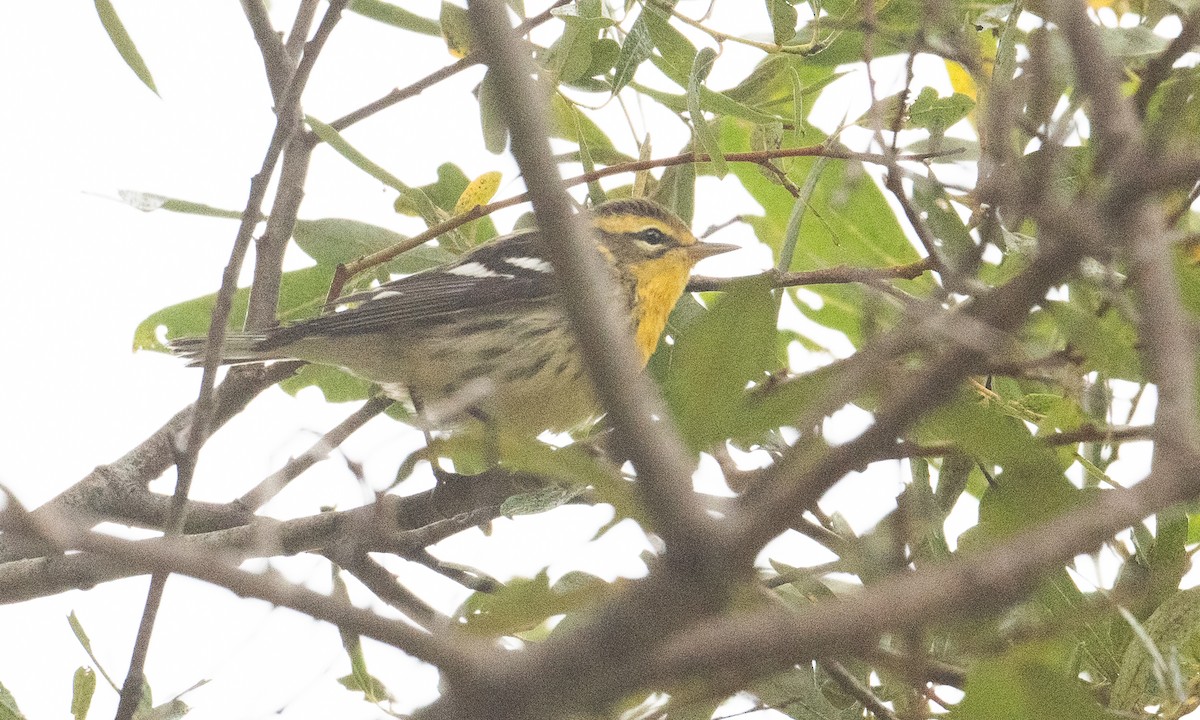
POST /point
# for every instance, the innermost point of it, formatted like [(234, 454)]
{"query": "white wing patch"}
[(475, 270), (386, 294), (530, 263)]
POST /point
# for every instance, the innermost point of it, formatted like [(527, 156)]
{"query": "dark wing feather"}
[(485, 279)]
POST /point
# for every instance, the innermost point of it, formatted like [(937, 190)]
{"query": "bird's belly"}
[(527, 377)]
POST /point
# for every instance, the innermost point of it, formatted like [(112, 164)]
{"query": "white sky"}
[(87, 269)]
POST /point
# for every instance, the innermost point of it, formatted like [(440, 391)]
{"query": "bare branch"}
[(257, 496), (470, 60), (276, 61), (305, 14), (633, 404), (824, 276), (109, 487), (1141, 227), (168, 555), (397, 524), (748, 645), (287, 123), (1159, 68)]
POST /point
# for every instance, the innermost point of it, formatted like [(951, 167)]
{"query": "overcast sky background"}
[(87, 269)]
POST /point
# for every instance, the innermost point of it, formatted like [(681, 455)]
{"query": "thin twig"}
[(174, 555), (809, 48), (296, 37), (825, 276), (344, 272), (257, 496), (469, 60), (1158, 69), (276, 61), (857, 690), (110, 486), (286, 125), (387, 587)]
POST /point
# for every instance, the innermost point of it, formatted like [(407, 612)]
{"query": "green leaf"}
[(538, 501), (791, 234), (86, 643), (495, 132), (953, 476), (1138, 41), (123, 43), (335, 384), (1173, 115), (677, 190), (604, 56), (572, 466), (1168, 557), (331, 241), (456, 29), (676, 53), (797, 693), (1031, 489), (334, 139), (395, 16), (371, 687), (438, 199), (523, 604), (572, 56), (783, 20), (301, 294), (937, 114), (8, 705), (952, 239), (171, 710), (714, 102), (1155, 571), (774, 83), (712, 362), (1107, 342), (83, 687), (858, 228), (636, 49), (359, 679), (1030, 681), (1166, 648), (568, 123), (149, 202), (704, 132)]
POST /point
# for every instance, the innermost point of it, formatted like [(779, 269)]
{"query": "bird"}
[(484, 337)]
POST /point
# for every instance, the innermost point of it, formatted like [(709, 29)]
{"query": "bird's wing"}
[(508, 270)]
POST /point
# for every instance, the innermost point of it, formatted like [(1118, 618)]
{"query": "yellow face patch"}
[(660, 282)]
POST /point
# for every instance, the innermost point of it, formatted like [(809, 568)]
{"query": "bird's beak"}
[(702, 250)]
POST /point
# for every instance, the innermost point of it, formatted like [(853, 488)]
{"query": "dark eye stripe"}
[(654, 236)]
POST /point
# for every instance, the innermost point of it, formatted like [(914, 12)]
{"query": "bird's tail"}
[(237, 348)]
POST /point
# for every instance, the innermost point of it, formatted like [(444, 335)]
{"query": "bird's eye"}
[(654, 236)]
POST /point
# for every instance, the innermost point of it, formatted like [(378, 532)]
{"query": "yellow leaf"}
[(455, 29), (478, 192)]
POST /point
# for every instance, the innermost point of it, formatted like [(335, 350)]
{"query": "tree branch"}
[(287, 123), (276, 62), (633, 404), (260, 494), (744, 646), (167, 555), (469, 60)]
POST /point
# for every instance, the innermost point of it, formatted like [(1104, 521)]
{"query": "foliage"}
[(973, 172)]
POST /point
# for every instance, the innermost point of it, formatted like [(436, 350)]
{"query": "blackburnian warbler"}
[(484, 336)]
